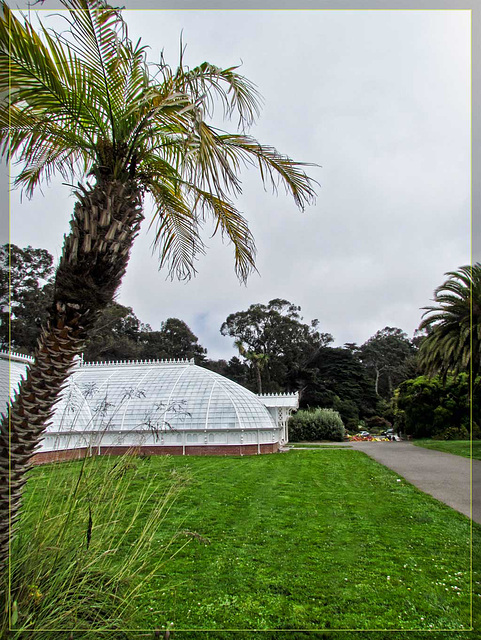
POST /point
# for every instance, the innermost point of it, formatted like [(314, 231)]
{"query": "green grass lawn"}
[(315, 445), (458, 447), (325, 539)]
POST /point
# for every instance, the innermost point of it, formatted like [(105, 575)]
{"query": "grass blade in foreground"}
[(89, 544)]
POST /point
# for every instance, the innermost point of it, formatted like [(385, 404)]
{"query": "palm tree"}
[(85, 104), (258, 361), (453, 343)]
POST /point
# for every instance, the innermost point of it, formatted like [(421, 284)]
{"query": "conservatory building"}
[(155, 407)]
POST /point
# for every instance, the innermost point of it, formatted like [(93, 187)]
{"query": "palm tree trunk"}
[(105, 222)]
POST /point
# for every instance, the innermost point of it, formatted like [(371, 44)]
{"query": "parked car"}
[(364, 433), (388, 432)]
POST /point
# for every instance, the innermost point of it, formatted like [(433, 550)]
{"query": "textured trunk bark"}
[(259, 378), (105, 221), (376, 384), (268, 377)]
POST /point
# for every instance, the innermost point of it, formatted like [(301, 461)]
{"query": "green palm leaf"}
[(43, 146), (232, 226), (44, 78), (237, 93), (453, 343), (177, 231), (97, 38)]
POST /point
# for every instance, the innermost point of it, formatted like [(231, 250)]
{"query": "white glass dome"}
[(158, 403), (159, 406)]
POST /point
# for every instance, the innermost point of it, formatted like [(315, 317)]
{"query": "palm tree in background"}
[(85, 104), (259, 361), (453, 343)]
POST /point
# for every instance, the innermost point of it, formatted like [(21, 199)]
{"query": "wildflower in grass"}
[(35, 594)]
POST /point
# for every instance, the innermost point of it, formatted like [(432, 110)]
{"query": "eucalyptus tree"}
[(384, 355), (275, 341), (85, 103), (453, 341)]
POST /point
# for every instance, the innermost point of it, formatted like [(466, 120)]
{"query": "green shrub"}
[(317, 424), (427, 407), (475, 431), (385, 409), (453, 433)]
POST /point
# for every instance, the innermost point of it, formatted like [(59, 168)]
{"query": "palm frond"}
[(41, 145), (232, 226), (162, 124), (236, 93), (210, 166), (135, 81), (44, 77), (97, 35), (177, 231), (44, 163), (273, 166), (453, 343), (216, 159)]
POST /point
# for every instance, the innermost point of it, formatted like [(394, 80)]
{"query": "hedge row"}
[(317, 424)]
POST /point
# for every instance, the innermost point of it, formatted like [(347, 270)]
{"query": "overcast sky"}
[(378, 99)]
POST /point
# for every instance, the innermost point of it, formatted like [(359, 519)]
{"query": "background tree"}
[(453, 325), (276, 334), (174, 340), (85, 103), (336, 379), (26, 284), (384, 356), (258, 361), (352, 347), (115, 335)]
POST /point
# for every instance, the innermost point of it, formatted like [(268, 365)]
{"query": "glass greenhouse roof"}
[(161, 402), (156, 397)]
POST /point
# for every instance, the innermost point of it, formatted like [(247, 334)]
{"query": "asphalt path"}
[(445, 476)]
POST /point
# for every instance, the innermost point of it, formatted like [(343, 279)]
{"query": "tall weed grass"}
[(82, 551)]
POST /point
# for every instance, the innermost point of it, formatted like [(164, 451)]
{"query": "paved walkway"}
[(443, 475)]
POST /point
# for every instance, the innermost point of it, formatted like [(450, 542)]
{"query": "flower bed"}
[(367, 438)]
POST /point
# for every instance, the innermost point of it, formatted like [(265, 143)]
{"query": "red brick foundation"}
[(43, 457)]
